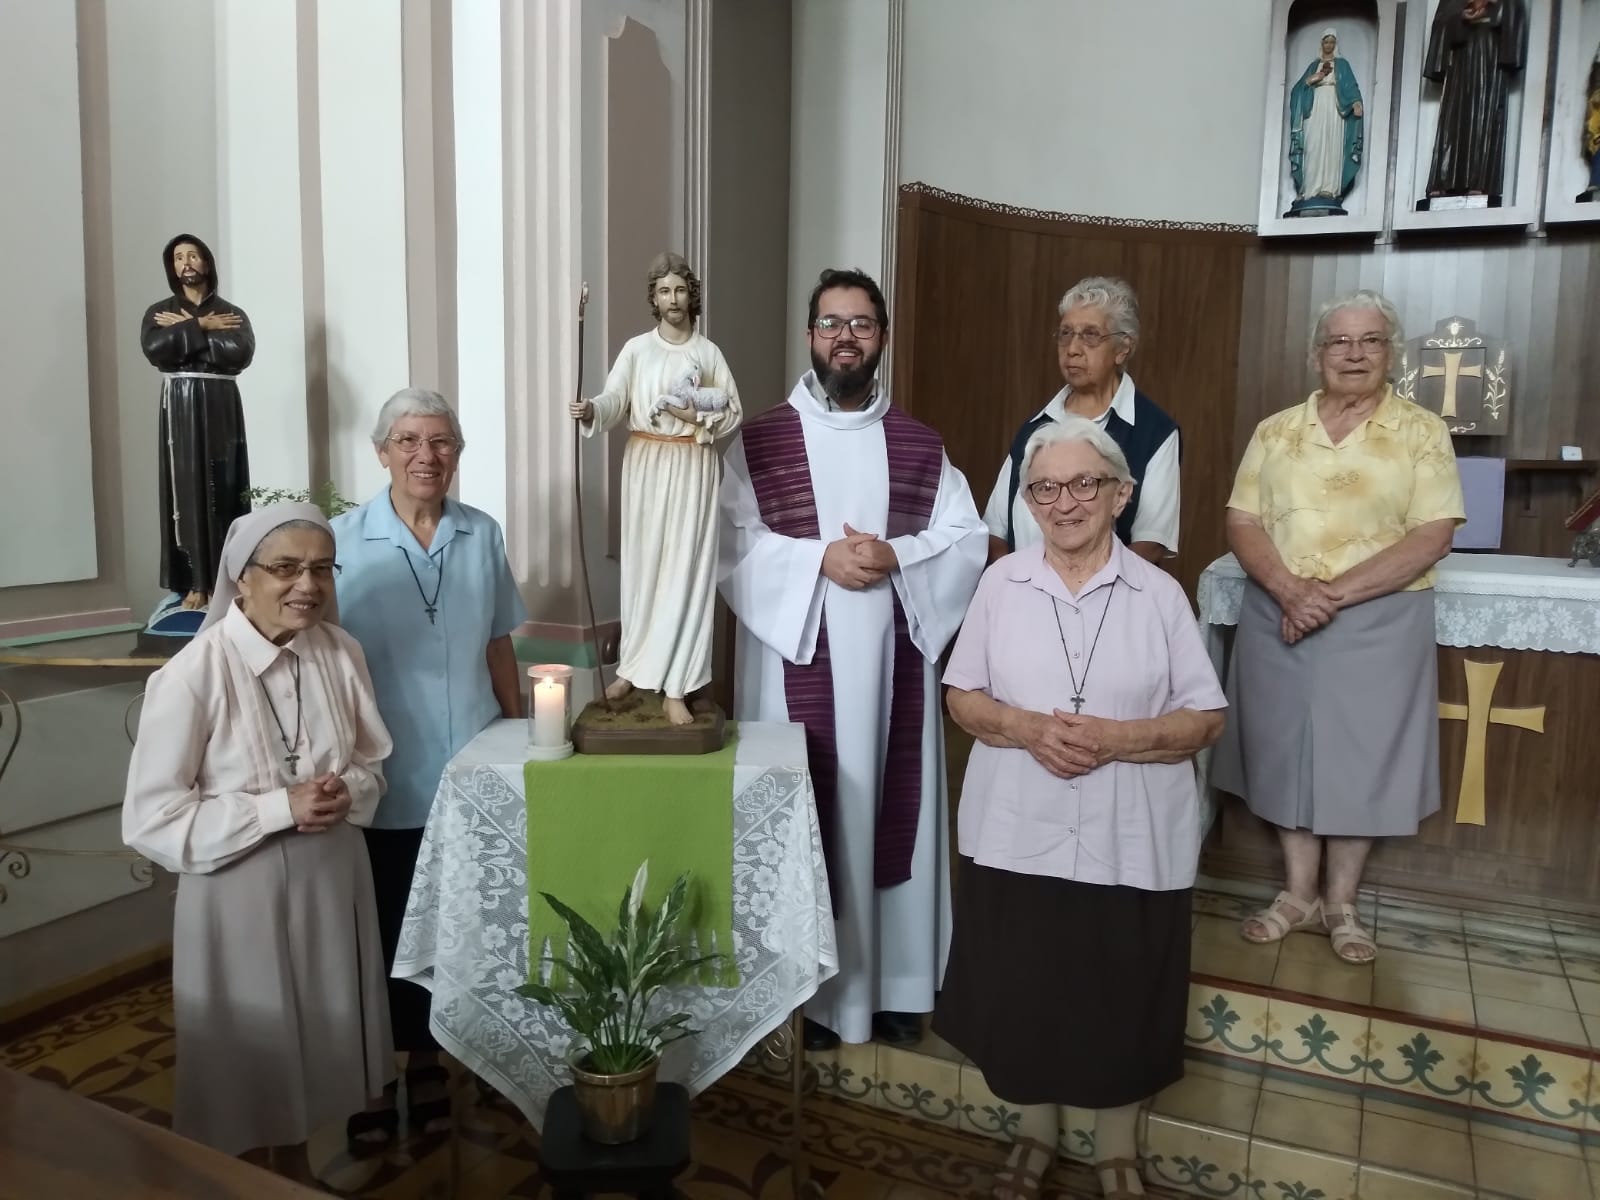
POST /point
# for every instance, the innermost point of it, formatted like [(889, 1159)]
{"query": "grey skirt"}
[(1339, 733), (278, 993)]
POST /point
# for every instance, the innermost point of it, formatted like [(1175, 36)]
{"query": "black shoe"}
[(372, 1132), (897, 1028), (819, 1037), (428, 1118)]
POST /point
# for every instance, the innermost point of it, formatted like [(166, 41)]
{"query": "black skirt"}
[(393, 854), (1066, 993)]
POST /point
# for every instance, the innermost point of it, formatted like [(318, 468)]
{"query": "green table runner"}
[(593, 818)]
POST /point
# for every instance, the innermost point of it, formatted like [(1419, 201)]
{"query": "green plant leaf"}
[(612, 982), (585, 939), (641, 877)]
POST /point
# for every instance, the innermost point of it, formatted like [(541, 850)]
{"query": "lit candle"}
[(549, 712)]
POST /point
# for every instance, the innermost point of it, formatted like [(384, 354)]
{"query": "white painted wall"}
[(154, 197), (45, 495), (838, 110), (363, 244), (259, 244), (481, 252), (1145, 108)]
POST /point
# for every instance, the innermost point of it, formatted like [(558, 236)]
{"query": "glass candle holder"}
[(549, 711)]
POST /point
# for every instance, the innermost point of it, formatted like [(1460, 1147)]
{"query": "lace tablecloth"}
[(466, 927), (1503, 600)]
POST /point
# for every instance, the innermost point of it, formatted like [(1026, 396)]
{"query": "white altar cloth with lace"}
[(465, 936)]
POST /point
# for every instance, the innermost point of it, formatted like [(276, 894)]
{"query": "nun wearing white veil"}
[(259, 753)]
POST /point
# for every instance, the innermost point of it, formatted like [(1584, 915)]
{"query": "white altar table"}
[(466, 927)]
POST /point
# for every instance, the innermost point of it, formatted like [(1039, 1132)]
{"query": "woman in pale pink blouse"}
[(1081, 673), (259, 754)]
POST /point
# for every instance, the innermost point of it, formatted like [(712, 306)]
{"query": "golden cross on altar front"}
[(1479, 713), (1452, 372)]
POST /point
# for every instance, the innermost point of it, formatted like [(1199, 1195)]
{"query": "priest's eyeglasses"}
[(1369, 343), (1083, 489), (288, 570), (1091, 338), (832, 327), (410, 443)]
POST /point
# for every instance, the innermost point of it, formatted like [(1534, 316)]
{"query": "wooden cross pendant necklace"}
[(1077, 686), (431, 607), (292, 755)]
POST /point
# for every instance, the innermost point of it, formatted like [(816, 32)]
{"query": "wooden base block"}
[(637, 724)]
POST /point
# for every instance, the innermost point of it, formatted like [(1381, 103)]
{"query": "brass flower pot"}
[(615, 1108)]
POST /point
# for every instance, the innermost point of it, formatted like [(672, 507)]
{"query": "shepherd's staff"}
[(577, 496)]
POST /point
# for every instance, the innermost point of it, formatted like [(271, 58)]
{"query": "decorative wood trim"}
[(903, 298), (1038, 220)]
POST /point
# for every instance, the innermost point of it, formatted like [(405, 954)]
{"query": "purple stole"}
[(775, 451)]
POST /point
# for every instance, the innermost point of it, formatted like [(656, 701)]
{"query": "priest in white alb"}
[(850, 550), (676, 394)]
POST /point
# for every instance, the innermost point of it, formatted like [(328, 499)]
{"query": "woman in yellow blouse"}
[(1339, 512)]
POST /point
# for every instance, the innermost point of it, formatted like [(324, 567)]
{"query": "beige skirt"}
[(278, 993)]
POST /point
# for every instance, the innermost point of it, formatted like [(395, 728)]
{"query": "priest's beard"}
[(846, 385)]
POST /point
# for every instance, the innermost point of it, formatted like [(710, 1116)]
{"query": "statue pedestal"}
[(636, 724), (1457, 203), (170, 628)]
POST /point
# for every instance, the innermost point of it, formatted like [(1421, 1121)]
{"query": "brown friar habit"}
[(1477, 63), (205, 467)]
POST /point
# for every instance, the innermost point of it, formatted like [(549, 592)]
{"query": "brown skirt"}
[(1066, 993)]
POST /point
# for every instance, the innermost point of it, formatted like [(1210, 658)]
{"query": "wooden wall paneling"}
[(1538, 842), (977, 359), (1539, 295)]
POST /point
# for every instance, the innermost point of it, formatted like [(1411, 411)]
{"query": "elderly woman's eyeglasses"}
[(1091, 338), (1084, 488), (410, 443), (288, 571), (832, 327), (1369, 343)]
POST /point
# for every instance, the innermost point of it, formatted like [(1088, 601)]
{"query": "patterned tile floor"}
[(1460, 1064), (119, 1051), (1465, 1056)]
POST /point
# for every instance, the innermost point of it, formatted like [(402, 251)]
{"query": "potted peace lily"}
[(610, 986)]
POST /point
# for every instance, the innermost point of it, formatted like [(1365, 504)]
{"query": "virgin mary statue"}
[(1325, 135)]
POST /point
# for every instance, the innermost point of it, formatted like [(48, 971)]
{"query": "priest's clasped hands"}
[(208, 321), (858, 560), (319, 804)]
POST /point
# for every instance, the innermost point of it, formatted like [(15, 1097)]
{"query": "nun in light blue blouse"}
[(426, 589)]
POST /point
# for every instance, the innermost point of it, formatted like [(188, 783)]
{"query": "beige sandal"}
[(1119, 1178), (1351, 941), (1279, 920), (1018, 1179)]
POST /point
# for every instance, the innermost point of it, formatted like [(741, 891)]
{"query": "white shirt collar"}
[(820, 395), (1122, 402), (258, 651)]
